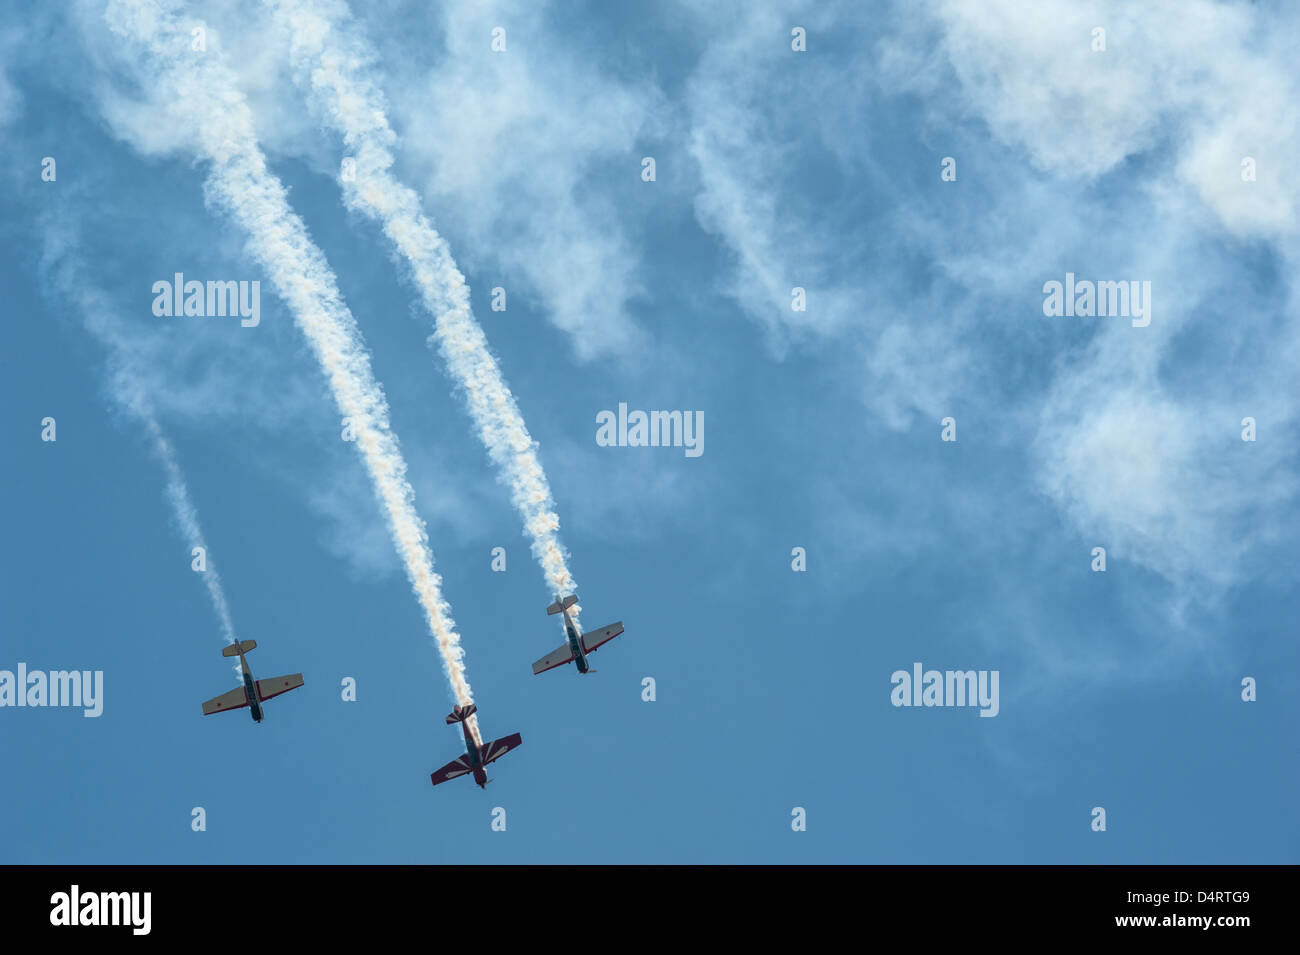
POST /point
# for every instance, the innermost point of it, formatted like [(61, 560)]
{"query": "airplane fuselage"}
[(250, 691), (475, 757), (575, 644)]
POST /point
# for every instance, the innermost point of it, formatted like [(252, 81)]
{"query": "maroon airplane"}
[(476, 757)]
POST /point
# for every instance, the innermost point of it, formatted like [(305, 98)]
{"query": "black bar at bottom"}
[(938, 902)]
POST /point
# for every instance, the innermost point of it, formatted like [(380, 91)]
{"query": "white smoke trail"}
[(201, 93), (187, 516), (66, 275), (334, 66)]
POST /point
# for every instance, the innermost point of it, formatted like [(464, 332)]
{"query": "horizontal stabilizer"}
[(594, 638), (233, 649), (458, 713), (556, 658), (561, 605)]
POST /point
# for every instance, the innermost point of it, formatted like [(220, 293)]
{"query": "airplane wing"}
[(499, 747), (277, 685), (457, 767), (594, 638), (556, 658), (226, 701)]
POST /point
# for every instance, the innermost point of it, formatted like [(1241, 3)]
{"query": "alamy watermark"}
[(651, 429), (946, 688), (198, 299), (75, 907), (1102, 299), (84, 688)]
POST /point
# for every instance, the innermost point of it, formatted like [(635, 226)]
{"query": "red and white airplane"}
[(476, 757), (579, 644)]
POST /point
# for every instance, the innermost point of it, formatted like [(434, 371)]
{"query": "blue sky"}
[(774, 169)]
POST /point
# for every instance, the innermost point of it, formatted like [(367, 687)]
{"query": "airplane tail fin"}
[(459, 713), (563, 604), (233, 649)]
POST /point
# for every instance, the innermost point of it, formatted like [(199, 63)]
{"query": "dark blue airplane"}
[(476, 757)]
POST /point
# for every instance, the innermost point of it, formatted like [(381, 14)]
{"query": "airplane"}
[(254, 692), (579, 644), (476, 757)]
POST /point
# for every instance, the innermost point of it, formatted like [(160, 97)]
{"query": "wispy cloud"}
[(1056, 145), (544, 213)]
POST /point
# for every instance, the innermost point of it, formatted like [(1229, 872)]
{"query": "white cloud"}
[(751, 104), (1132, 447), (11, 102), (510, 149), (1218, 80), (237, 33), (1137, 460), (1135, 477), (16, 50)]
